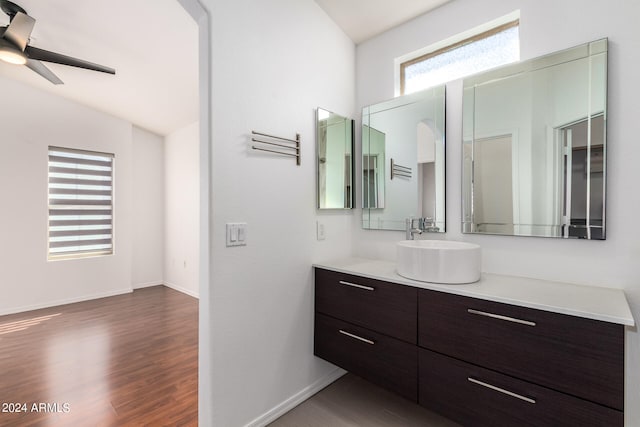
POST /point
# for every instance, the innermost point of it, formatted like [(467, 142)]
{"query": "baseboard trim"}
[(147, 284), (284, 407), (181, 289), (64, 301)]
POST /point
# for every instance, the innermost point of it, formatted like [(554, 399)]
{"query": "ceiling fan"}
[(15, 49)]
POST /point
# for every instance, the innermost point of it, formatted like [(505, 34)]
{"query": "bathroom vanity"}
[(501, 351)]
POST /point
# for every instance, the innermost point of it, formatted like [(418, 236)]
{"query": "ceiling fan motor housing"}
[(15, 48), (11, 9)]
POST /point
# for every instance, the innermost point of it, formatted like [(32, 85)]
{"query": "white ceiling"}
[(364, 19), (152, 44)]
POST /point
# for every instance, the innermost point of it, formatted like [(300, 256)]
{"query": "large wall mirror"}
[(534, 146), (334, 140), (403, 161)]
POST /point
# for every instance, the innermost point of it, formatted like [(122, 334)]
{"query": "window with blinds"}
[(80, 203)]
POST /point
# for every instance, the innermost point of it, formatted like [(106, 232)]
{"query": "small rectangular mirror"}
[(534, 146), (334, 159)]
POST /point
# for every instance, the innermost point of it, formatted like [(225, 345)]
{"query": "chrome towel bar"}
[(279, 144), (399, 170)]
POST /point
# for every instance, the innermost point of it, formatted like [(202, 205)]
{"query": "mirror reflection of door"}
[(583, 209), (322, 166), (426, 147), (348, 174), (493, 185), (369, 181), (373, 173)]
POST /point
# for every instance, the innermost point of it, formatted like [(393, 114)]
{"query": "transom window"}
[(80, 203), (498, 46)]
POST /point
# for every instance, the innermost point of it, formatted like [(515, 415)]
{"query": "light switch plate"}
[(320, 232), (236, 234)]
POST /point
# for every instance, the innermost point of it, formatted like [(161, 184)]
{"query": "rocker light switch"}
[(236, 234), (320, 234)]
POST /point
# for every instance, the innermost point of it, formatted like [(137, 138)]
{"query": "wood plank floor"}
[(128, 360), (354, 402)]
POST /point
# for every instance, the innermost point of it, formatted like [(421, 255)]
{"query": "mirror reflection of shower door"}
[(584, 179), (493, 184)]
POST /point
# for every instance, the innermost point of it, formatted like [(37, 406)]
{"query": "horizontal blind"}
[(80, 203)]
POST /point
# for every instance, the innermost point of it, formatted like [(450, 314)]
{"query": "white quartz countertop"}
[(591, 302)]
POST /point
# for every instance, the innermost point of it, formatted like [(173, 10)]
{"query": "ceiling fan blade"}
[(19, 30), (58, 58), (41, 69)]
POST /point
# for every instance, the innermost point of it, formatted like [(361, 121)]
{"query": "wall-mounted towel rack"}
[(398, 170), (286, 146)]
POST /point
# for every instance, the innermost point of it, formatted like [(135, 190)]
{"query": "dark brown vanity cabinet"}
[(368, 327), (485, 363), (478, 362), (475, 396)]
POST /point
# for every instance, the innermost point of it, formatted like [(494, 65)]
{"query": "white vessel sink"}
[(439, 261)]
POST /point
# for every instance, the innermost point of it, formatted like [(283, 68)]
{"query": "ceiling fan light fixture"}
[(11, 54), (15, 47)]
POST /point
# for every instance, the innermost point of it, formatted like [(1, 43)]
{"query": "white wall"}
[(36, 120), (181, 208), (545, 26), (31, 120), (273, 63), (148, 209)]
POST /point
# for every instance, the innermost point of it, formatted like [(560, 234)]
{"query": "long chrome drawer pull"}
[(501, 390), (500, 317), (355, 285), (356, 337)]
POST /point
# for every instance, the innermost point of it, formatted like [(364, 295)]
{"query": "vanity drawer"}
[(380, 306), (577, 356), (475, 396), (388, 362)]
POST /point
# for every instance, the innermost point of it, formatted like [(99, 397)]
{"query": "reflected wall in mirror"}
[(534, 146), (403, 161), (334, 139)]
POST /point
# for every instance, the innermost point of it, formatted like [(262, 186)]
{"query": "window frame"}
[(482, 35), (94, 207)]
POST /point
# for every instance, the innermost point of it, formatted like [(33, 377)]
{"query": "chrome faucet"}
[(419, 225), (428, 224), (411, 229)]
